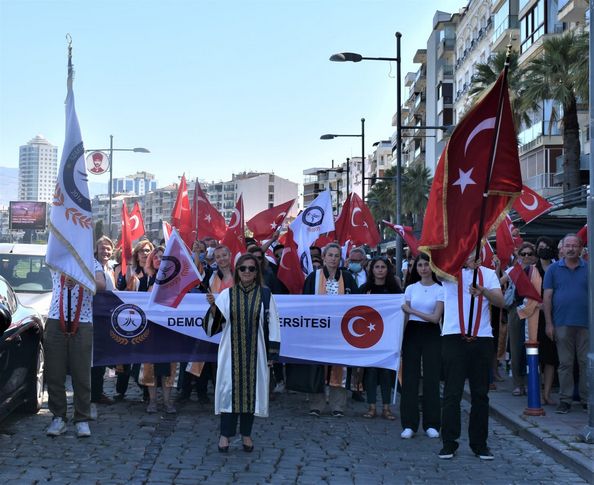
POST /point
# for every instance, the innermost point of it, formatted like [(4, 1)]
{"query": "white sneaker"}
[(407, 434), (279, 388), (93, 412), (82, 429), (432, 433), (57, 427)]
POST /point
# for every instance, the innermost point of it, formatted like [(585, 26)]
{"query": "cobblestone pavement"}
[(130, 446)]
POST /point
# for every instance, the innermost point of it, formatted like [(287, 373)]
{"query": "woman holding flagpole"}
[(421, 346), (330, 280), (246, 315)]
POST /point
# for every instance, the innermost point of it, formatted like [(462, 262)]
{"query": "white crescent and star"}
[(135, 222), (281, 216), (355, 210), (465, 179), (487, 124), (285, 252), (351, 329), (532, 206), (234, 222)]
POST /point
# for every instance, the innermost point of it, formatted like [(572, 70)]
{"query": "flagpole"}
[(492, 154)]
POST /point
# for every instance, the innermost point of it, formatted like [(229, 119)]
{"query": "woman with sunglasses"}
[(380, 281), (151, 375), (421, 345), (246, 315)]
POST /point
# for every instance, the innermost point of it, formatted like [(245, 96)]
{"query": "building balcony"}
[(541, 141), (420, 103), (572, 10), (508, 29), (445, 73), (443, 103), (534, 50), (445, 46)]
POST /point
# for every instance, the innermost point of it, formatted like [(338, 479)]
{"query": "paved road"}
[(130, 446)]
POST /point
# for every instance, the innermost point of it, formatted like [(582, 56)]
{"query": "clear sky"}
[(210, 87)]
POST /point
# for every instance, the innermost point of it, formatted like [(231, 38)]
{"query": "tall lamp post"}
[(331, 136), (111, 149), (337, 171)]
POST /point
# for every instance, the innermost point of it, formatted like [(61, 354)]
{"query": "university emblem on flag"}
[(362, 327), (129, 324), (313, 216), (169, 269)]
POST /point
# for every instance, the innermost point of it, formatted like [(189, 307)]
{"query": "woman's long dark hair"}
[(413, 276), (391, 284)]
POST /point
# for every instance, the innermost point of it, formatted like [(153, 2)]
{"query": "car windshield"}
[(26, 273)]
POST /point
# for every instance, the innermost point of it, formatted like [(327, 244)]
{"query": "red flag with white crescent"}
[(406, 232), (289, 266), (235, 236), (361, 224), (487, 255), (265, 223), (209, 221), (458, 207), (524, 286), (181, 215), (530, 205), (126, 239), (583, 234), (507, 241), (136, 223)]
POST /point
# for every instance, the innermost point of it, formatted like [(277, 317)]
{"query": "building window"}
[(532, 26)]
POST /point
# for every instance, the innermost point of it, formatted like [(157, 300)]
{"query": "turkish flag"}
[(289, 266), (506, 241), (177, 274), (181, 216), (126, 239), (166, 231), (530, 205), (360, 224), (407, 234), (487, 255), (325, 239), (455, 206), (209, 221), (265, 223), (583, 234), (137, 223), (524, 286), (342, 222), (235, 236)]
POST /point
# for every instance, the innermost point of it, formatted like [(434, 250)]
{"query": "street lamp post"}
[(338, 171), (331, 136), (111, 149)]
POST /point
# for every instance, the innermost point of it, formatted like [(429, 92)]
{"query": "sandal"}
[(370, 414), (518, 391), (387, 414)]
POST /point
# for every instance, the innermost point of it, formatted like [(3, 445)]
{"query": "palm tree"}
[(561, 75), (487, 74), (416, 182), (381, 199)]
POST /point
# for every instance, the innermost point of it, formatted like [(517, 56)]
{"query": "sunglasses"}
[(526, 254), (251, 269)]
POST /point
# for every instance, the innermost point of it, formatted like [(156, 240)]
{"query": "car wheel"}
[(34, 399)]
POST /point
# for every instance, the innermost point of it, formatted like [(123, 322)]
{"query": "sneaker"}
[(105, 399), (119, 397), (279, 388), (447, 452), (151, 408), (407, 434), (57, 427), (170, 409), (563, 408), (93, 412), (337, 414), (82, 429), (432, 433), (483, 453), (314, 412)]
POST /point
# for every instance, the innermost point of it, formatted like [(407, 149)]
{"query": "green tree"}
[(416, 183), (561, 74), (98, 229), (381, 199)]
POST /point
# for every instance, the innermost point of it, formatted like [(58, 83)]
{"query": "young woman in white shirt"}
[(423, 310)]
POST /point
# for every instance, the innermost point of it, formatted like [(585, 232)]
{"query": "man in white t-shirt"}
[(68, 345), (468, 354)]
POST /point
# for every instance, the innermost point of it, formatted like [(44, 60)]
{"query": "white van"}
[(23, 266)]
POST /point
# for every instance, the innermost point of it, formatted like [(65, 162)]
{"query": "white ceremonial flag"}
[(315, 220), (70, 245)]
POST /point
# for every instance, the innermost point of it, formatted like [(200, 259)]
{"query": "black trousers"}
[(373, 377), (123, 378), (229, 424), (97, 374), (461, 360), (421, 343)]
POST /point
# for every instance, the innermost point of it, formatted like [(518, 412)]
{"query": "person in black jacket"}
[(330, 280)]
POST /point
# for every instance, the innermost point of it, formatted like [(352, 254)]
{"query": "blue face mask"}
[(355, 267)]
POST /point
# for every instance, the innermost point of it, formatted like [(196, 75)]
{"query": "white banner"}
[(354, 330)]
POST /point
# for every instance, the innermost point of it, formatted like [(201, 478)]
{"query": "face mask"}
[(545, 253), (355, 267), (202, 257)]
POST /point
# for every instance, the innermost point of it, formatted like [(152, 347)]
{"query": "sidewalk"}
[(555, 434)]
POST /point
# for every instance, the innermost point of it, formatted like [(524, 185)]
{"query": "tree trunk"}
[(571, 147)]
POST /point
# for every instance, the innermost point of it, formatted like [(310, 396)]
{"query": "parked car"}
[(21, 354), (23, 266)]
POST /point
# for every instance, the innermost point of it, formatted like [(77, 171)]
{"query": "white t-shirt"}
[(451, 320), (86, 312), (423, 298)]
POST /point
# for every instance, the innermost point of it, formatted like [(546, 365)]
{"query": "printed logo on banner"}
[(362, 327), (313, 216), (170, 268), (129, 324)]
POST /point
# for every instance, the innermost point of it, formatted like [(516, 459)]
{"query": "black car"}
[(21, 354)]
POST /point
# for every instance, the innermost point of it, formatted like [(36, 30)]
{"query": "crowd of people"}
[(437, 343)]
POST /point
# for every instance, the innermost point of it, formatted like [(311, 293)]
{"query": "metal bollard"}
[(534, 408)]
